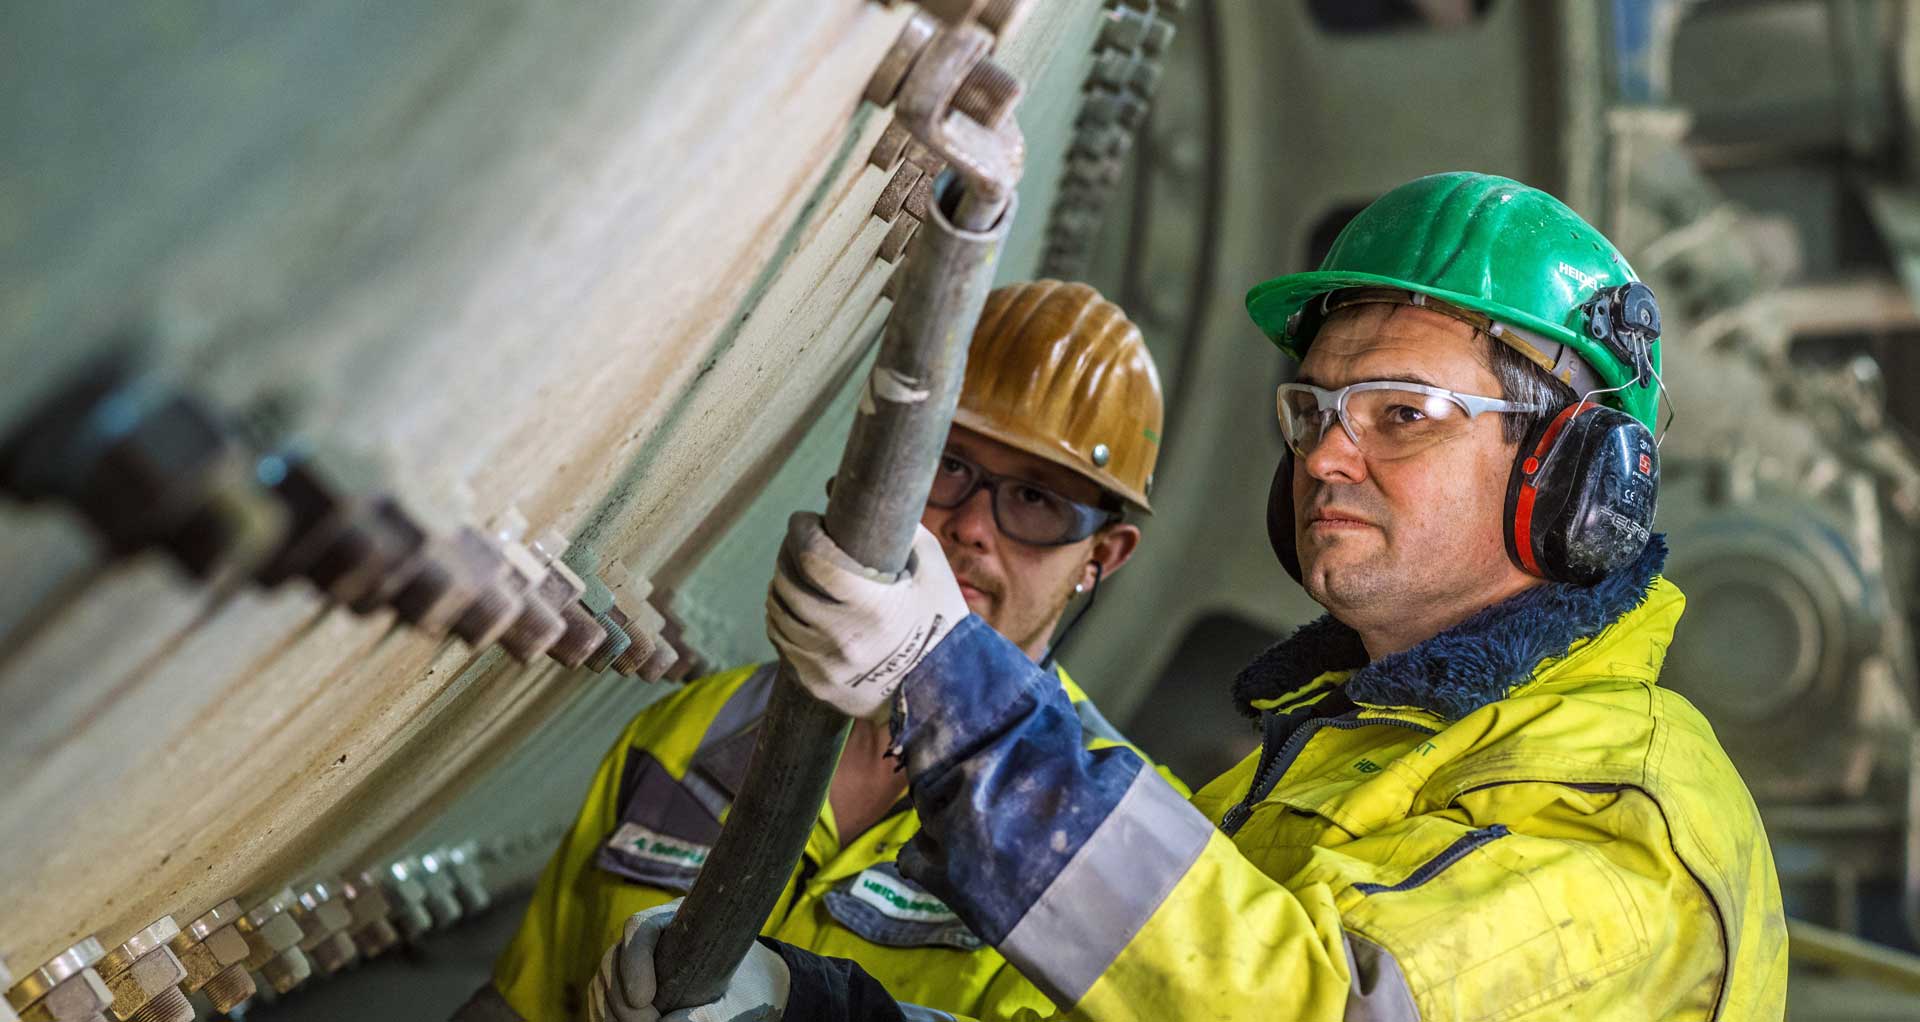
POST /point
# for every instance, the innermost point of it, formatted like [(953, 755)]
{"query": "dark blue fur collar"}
[(1465, 667)]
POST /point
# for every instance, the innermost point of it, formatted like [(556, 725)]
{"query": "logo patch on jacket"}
[(888, 909), (896, 900), (642, 843)]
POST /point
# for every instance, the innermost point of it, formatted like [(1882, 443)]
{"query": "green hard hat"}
[(1550, 284)]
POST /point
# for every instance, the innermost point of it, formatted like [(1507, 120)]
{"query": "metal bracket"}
[(957, 101)]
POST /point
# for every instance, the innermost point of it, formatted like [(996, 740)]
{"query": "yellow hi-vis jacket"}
[(654, 810), (1511, 821)]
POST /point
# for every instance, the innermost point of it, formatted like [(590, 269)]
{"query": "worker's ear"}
[(1113, 546)]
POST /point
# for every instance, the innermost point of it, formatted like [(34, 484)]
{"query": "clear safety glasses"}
[(1024, 511), (1386, 419)]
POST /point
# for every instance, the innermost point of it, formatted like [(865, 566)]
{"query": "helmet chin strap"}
[(1046, 662)]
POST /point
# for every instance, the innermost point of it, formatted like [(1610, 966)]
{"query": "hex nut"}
[(63, 982), (269, 930), (631, 662), (891, 147), (287, 970), (410, 913), (81, 998), (614, 621), (214, 953), (892, 71), (373, 935), (144, 975), (442, 893), (334, 953), (894, 245), (893, 198), (463, 861), (230, 987)]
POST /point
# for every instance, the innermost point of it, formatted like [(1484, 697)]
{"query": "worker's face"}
[(1403, 539), (1018, 588)]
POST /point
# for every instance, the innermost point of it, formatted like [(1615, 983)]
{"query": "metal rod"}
[(1808, 942), (877, 500)]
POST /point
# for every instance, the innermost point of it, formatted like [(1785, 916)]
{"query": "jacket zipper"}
[(1435, 866), (1276, 762)]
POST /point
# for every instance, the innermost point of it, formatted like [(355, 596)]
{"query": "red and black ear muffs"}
[(1580, 499), (1280, 515)]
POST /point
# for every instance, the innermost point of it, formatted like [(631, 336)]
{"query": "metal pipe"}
[(1808, 942), (878, 496)]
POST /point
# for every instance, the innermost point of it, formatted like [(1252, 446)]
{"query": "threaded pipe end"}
[(988, 93), (169, 1005), (487, 616), (635, 656), (229, 987), (534, 632), (617, 641), (582, 637)]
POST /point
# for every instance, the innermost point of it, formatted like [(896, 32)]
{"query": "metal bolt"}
[(398, 544), (893, 198), (273, 941), (663, 660), (953, 12), (893, 68), (494, 604), (214, 953), (144, 975), (65, 988), (410, 914), (1001, 17), (323, 917), (634, 658), (316, 511), (1112, 69), (441, 892), (891, 147), (459, 568), (614, 621), (920, 199), (287, 970), (463, 860), (1125, 29), (988, 93), (899, 236), (584, 632), (543, 622), (373, 935), (1101, 455), (1159, 37)]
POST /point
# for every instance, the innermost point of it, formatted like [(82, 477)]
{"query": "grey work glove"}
[(850, 633), (624, 988)]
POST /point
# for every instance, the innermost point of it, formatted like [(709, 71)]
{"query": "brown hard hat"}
[(1059, 372)]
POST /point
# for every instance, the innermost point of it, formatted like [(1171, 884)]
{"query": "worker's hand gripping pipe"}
[(877, 499)]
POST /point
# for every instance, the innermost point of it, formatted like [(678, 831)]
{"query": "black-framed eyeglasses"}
[(1025, 511)]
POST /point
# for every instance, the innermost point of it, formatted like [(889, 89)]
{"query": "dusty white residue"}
[(892, 386)]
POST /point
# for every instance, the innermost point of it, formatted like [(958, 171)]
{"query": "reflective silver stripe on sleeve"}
[(1108, 890), (915, 1013), (1378, 990)]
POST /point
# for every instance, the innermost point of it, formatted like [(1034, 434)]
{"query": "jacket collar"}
[(1465, 667)]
